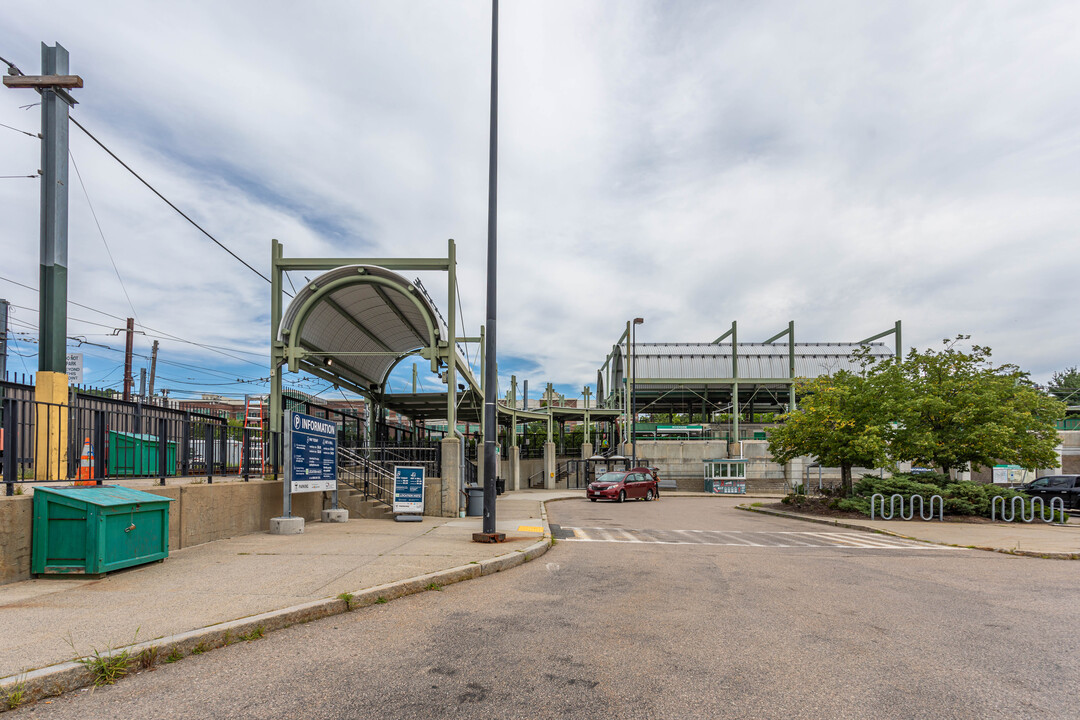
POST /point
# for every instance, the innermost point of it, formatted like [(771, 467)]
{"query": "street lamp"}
[(633, 378)]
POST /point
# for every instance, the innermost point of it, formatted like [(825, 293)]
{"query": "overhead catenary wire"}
[(101, 233), (24, 132), (168, 202), (163, 335)]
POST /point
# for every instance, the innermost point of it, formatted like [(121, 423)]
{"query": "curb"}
[(880, 531), (54, 680)]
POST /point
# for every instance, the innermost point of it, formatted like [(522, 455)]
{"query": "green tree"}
[(955, 407), (1065, 385), (840, 420)]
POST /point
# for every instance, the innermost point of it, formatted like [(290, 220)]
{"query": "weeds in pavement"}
[(14, 696), (433, 586), (348, 598), (381, 600), (227, 640), (148, 658), (199, 649), (254, 634), (174, 655), (107, 668)]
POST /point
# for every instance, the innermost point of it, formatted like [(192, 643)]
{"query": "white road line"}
[(741, 538)]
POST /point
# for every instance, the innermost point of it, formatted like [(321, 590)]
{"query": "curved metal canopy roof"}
[(358, 322)]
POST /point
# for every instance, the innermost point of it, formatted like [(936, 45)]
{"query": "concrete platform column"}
[(586, 450), (549, 465), (451, 477), (513, 482)]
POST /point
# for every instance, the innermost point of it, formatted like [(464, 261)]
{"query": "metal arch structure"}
[(354, 323), (669, 377)]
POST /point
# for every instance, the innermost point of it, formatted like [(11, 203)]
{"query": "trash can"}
[(475, 508), (500, 486), (94, 530), (132, 454)]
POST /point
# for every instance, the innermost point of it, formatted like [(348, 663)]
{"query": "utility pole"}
[(3, 338), (491, 460), (153, 369), (128, 379), (52, 381)]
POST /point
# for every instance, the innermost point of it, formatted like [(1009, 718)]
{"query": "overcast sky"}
[(840, 164)]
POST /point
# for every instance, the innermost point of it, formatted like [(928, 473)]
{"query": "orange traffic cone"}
[(86, 464)]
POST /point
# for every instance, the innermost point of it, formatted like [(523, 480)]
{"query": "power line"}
[(105, 242), (24, 132), (168, 202), (17, 177), (163, 335)]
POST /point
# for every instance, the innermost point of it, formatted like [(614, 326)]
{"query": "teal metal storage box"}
[(96, 529)]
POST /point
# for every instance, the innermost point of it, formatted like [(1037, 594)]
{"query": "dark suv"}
[(1066, 487)]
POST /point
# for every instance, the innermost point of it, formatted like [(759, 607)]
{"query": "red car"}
[(639, 483)]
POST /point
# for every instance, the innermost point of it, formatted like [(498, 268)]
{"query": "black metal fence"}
[(96, 439)]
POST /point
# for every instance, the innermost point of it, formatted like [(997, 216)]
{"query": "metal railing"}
[(1024, 516), (97, 439), (910, 502)]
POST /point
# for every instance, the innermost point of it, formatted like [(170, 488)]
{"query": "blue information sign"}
[(312, 453), (409, 490)]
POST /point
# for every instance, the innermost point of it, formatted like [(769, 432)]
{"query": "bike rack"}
[(1024, 515), (910, 507)]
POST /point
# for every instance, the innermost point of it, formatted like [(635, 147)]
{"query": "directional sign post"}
[(310, 456), (408, 493)]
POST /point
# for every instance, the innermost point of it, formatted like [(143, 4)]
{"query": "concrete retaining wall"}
[(201, 514)]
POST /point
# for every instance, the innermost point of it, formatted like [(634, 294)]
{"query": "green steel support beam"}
[(308, 349), (895, 332), (401, 316), (419, 264)]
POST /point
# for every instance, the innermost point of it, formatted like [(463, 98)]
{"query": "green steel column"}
[(899, 343), (587, 393), (52, 318), (513, 410), (735, 374), (277, 354), (451, 340), (548, 393), (791, 365)]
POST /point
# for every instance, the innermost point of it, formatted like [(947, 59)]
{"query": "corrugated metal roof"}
[(756, 360), (369, 317)]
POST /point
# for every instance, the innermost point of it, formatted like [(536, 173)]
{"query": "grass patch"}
[(148, 658), (14, 696), (381, 600), (199, 649), (433, 586), (347, 597), (174, 655), (255, 634), (107, 668)]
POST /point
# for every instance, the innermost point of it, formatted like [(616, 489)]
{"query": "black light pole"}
[(633, 378), (491, 461)]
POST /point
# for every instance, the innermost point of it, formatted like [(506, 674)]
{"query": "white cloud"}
[(842, 165)]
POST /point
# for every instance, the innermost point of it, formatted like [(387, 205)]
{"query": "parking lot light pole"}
[(633, 377)]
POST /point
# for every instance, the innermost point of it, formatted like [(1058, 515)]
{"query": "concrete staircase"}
[(358, 507)]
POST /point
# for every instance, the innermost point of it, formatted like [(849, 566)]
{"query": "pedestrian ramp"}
[(778, 539)]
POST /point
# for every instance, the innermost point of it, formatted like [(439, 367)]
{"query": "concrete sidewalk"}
[(248, 581), (1035, 539)]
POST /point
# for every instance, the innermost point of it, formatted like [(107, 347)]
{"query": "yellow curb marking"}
[(526, 528)]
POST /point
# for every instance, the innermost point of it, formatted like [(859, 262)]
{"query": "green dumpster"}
[(96, 529), (135, 454)]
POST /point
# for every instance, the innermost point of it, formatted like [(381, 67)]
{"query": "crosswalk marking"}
[(776, 538)]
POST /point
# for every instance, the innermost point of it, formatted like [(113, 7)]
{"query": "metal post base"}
[(495, 537)]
